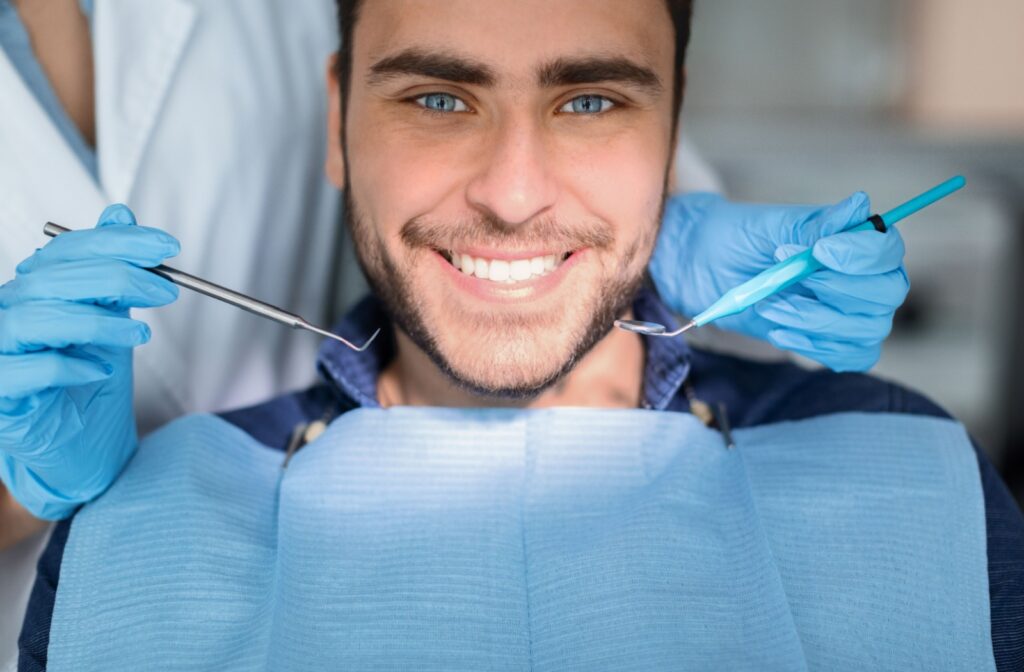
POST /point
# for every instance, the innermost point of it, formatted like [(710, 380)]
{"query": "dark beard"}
[(388, 284)]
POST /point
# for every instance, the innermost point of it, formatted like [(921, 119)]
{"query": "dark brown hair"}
[(680, 10)]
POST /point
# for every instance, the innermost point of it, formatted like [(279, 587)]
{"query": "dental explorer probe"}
[(231, 297), (791, 270)]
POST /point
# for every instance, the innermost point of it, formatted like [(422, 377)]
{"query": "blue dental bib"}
[(558, 539)]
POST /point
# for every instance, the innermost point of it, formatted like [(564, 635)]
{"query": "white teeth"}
[(519, 269), (499, 270), (480, 269), (503, 270)]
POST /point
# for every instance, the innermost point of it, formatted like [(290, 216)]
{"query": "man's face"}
[(528, 136)]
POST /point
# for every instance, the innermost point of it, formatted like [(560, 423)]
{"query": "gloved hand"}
[(66, 339), (838, 316)]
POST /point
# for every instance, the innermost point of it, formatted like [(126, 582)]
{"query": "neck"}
[(609, 376), (59, 34)]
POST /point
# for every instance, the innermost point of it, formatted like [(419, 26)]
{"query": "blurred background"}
[(810, 100)]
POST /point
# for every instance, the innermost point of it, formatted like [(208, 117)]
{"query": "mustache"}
[(486, 230)]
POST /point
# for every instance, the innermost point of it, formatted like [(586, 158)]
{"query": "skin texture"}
[(59, 34), (510, 171), (16, 524)]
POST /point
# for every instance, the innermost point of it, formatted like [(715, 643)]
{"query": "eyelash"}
[(414, 100)]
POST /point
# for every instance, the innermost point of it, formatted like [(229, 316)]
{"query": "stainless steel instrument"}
[(232, 297)]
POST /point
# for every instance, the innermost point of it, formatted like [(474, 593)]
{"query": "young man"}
[(505, 178)]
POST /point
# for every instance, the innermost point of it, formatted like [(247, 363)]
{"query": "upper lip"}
[(509, 255)]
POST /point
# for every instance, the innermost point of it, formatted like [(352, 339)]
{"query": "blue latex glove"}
[(839, 316), (66, 339)]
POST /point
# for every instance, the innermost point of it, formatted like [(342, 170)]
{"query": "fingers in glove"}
[(136, 245), (29, 424), (105, 282), (823, 322), (855, 252), (832, 219), (29, 373), (865, 294), (837, 355), (37, 326), (783, 252), (861, 252), (116, 214)]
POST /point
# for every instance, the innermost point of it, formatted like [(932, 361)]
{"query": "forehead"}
[(515, 36)]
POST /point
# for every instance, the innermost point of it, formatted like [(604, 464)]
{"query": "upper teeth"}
[(502, 270)]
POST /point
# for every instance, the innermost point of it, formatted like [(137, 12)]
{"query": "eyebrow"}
[(438, 65), (560, 72), (593, 69)]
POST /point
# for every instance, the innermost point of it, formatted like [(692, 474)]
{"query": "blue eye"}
[(441, 102), (588, 104)]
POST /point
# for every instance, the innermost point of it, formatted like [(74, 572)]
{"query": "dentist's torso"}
[(210, 119)]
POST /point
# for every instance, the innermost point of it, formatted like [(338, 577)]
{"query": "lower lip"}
[(514, 292)]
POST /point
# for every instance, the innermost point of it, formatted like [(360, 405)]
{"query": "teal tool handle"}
[(801, 265)]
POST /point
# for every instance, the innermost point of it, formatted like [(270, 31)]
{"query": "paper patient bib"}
[(559, 539)]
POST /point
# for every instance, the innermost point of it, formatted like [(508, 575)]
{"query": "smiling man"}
[(504, 190), (505, 168)]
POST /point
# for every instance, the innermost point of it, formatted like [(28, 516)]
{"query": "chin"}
[(521, 369)]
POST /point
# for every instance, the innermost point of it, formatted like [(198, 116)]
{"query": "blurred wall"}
[(966, 64), (842, 56)]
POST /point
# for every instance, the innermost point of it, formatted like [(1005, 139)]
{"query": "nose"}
[(515, 182)]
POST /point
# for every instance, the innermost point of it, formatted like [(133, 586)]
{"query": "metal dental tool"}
[(232, 297), (790, 271)]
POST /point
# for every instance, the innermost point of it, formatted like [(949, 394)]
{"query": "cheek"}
[(622, 182), (397, 175)]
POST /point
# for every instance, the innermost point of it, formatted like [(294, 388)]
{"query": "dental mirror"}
[(651, 328)]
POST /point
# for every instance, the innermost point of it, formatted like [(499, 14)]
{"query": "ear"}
[(334, 166)]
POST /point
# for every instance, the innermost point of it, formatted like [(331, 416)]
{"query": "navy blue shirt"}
[(753, 394)]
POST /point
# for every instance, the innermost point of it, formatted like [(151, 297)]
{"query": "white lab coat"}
[(210, 122)]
